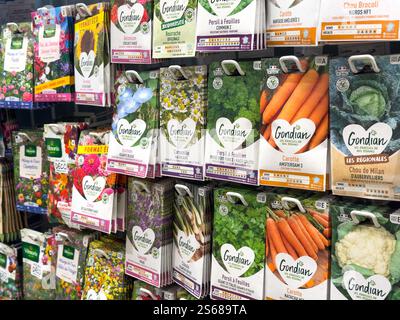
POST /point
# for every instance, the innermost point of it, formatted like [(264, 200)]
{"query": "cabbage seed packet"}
[(365, 133), (233, 121), (183, 121)]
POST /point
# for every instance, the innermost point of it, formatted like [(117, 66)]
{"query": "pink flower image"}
[(91, 164), (27, 97)]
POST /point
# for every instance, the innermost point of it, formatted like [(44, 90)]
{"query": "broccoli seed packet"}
[(233, 121), (238, 247), (183, 121), (365, 130), (373, 232)]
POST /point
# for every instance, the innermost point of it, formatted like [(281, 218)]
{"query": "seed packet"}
[(17, 83), (61, 141), (134, 123), (104, 273), (30, 171), (297, 246), (229, 25), (72, 249), (38, 250), (174, 30), (364, 20), (149, 231), (131, 31), (365, 251), (292, 23), (53, 30), (238, 247), (191, 259), (364, 92), (295, 123), (93, 189), (10, 273), (91, 55), (183, 121), (233, 123)]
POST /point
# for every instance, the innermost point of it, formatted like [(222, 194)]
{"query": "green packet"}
[(238, 245), (365, 251), (10, 273), (174, 29)]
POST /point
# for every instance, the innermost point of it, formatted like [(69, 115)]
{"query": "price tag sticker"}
[(36, 270), (61, 166)]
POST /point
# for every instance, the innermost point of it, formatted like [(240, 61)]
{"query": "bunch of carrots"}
[(300, 95), (297, 234)]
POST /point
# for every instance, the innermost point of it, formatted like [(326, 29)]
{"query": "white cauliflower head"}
[(368, 247)]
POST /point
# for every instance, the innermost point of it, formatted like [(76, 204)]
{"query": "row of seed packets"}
[(67, 264), (142, 31), (309, 22)]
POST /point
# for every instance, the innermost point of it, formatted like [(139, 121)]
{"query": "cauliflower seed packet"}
[(233, 121), (373, 233), (365, 127)]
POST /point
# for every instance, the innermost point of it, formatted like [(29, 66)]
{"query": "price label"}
[(36, 270), (61, 166)]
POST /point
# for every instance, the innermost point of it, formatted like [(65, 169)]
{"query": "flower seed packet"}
[(17, 84), (91, 55), (54, 72), (365, 136), (72, 249), (191, 258), (135, 124), (238, 245), (229, 25), (131, 31), (149, 231), (232, 139), (183, 102), (38, 250), (30, 171), (93, 188), (174, 30), (10, 273), (61, 140), (105, 271)]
